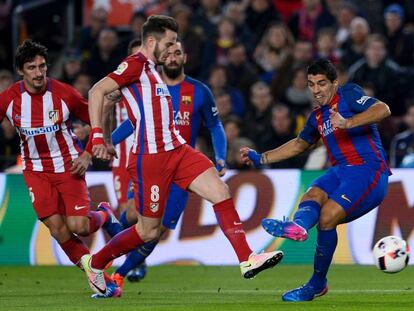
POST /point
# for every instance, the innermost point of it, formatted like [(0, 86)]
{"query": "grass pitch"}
[(206, 288)]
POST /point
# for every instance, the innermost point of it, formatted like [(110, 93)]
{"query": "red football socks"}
[(74, 248), (122, 243), (230, 224)]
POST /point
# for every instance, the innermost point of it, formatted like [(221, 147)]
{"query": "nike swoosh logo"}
[(77, 208), (345, 198), (247, 266), (102, 291)]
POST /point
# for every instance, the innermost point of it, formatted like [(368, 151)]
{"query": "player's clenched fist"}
[(337, 121)]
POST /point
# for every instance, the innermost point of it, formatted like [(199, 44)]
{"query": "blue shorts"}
[(357, 189), (176, 202)]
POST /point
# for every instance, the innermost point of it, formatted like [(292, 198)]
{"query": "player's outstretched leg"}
[(259, 262), (122, 243), (250, 263), (317, 285), (95, 277), (305, 218)]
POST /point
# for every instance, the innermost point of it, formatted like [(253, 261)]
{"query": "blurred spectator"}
[(259, 15), (10, 142), (105, 56), (400, 43), (89, 34), (193, 40), (302, 56), (217, 49), (6, 7), (223, 103), (232, 128), (281, 131), (241, 73), (218, 82), (273, 50), (135, 25), (207, 17), (10, 145), (326, 45), (83, 83), (71, 66), (6, 79), (347, 12), (353, 49), (382, 72), (257, 120), (287, 7), (306, 22), (403, 143), (297, 96), (236, 12), (372, 10)]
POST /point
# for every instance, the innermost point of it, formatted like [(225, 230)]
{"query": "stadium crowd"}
[(253, 54)]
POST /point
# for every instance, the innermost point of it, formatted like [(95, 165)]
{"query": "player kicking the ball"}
[(357, 183)]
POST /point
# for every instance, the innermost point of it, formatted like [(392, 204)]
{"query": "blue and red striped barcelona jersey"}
[(357, 146), (192, 103)]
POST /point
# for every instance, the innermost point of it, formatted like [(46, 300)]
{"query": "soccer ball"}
[(391, 254)]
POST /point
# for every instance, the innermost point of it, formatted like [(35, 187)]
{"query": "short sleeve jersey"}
[(356, 146), (42, 121)]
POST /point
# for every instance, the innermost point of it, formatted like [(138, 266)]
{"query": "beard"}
[(157, 54), (173, 72)]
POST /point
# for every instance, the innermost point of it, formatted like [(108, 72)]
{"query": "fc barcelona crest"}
[(186, 100), (54, 115)]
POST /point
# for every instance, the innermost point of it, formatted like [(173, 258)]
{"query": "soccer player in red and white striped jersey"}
[(160, 156), (54, 164)]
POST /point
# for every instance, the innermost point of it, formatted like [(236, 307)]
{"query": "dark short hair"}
[(133, 44), (27, 51), (323, 67), (156, 25)]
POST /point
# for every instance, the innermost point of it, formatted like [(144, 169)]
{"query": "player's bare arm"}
[(377, 112), (288, 150), (108, 121), (96, 100)]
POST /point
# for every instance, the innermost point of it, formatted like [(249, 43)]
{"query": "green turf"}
[(206, 288)]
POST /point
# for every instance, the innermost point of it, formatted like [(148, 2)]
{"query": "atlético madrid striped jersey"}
[(148, 104), (43, 123)]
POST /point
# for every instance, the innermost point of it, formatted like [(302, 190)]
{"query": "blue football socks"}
[(326, 245), (307, 214), (136, 257)]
